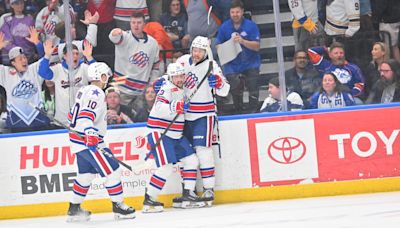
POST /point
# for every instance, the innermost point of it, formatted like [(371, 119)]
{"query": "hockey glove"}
[(310, 25), (296, 24), (157, 84), (91, 139), (179, 107), (215, 81)]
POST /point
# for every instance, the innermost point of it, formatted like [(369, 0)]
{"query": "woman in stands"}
[(332, 94)]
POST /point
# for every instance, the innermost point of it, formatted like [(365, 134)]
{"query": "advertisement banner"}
[(337, 146)]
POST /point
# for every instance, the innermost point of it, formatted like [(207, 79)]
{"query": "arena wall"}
[(261, 157)]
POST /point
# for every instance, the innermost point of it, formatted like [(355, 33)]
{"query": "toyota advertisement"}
[(351, 145)]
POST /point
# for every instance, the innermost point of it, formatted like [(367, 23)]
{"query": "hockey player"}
[(64, 89), (22, 84), (88, 124), (173, 146), (200, 119)]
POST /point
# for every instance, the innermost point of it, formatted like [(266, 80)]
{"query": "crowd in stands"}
[(346, 53)]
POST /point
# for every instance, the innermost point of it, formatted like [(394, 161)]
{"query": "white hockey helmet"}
[(96, 70), (200, 42), (175, 69)]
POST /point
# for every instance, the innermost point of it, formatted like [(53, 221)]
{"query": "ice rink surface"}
[(380, 210)]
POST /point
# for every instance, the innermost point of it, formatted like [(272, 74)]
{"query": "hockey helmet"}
[(175, 69), (200, 42), (96, 70)]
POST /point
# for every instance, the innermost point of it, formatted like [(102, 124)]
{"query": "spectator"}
[(302, 78), (307, 30), (49, 17), (379, 54), (105, 48), (3, 114), (117, 113), (175, 23), (273, 102), (65, 90), (91, 37), (332, 94), (156, 30), (197, 19), (386, 16), (16, 29), (125, 8), (48, 97), (22, 84), (245, 68), (142, 113), (347, 73), (387, 88), (136, 56), (342, 17)]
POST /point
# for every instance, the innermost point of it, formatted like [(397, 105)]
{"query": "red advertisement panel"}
[(322, 147)]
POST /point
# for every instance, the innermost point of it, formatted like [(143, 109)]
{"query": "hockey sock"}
[(114, 186), (81, 187), (158, 179), (207, 168), (189, 173)]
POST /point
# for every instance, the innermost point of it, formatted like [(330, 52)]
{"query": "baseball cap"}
[(112, 89), (15, 1), (14, 52)]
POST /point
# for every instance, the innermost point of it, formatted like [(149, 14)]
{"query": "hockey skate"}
[(77, 214), (191, 200), (151, 206), (122, 211), (177, 202), (208, 196)]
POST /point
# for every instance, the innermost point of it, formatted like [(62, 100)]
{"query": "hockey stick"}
[(211, 58), (79, 135), (177, 115)]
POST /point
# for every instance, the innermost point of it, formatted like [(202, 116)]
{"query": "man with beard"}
[(347, 73)]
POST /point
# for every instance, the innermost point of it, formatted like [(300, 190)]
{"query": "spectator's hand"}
[(125, 118), (95, 18), (89, 18), (87, 50), (113, 117), (116, 32), (48, 48), (310, 26), (33, 35), (215, 81), (91, 139), (3, 42), (158, 84), (238, 38), (179, 107)]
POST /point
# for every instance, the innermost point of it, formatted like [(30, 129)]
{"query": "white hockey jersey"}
[(125, 8), (302, 8), (135, 58), (202, 103), (90, 110), (23, 91), (343, 17), (46, 22), (91, 36), (64, 90), (161, 115)]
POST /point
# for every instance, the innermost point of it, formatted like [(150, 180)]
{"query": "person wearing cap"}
[(58, 73), (16, 28), (23, 85), (273, 102), (116, 112)]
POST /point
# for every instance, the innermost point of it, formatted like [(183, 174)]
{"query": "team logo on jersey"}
[(141, 59), (65, 83), (49, 27), (24, 90), (191, 80), (342, 75)]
